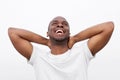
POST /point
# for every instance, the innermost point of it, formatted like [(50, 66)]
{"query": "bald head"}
[(60, 18), (58, 29)]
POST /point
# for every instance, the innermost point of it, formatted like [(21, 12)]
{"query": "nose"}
[(60, 25)]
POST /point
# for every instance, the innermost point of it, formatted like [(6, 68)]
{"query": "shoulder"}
[(38, 51), (82, 48), (80, 45)]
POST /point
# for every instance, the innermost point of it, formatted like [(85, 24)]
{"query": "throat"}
[(57, 50), (58, 47)]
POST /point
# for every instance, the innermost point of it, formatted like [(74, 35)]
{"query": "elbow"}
[(10, 31), (109, 27)]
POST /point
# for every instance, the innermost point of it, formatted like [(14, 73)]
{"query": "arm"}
[(21, 40), (98, 36)]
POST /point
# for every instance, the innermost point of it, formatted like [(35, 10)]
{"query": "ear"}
[(47, 34), (69, 33)]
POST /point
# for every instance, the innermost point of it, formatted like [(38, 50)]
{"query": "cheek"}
[(50, 32), (68, 31)]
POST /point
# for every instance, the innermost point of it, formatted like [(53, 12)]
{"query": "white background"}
[(34, 15)]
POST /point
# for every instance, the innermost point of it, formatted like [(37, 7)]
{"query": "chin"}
[(61, 39)]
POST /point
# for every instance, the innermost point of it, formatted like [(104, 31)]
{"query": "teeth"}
[(59, 31)]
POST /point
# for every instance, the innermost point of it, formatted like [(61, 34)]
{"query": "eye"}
[(65, 23), (54, 23)]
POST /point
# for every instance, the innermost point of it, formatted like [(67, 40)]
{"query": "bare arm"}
[(98, 36), (21, 39)]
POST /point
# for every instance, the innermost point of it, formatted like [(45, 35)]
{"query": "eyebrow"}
[(54, 21), (57, 21)]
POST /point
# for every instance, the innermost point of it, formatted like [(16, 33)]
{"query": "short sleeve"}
[(34, 55), (87, 51)]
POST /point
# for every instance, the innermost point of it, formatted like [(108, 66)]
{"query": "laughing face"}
[(58, 29)]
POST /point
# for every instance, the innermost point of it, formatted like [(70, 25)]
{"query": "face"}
[(58, 29)]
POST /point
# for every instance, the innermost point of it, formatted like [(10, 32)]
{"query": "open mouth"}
[(59, 31)]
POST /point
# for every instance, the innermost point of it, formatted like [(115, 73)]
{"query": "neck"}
[(59, 47)]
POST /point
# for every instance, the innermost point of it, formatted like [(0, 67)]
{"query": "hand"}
[(71, 42)]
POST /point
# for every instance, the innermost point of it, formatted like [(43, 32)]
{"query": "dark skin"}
[(58, 41), (59, 37)]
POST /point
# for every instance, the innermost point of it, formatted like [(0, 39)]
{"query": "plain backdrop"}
[(34, 15)]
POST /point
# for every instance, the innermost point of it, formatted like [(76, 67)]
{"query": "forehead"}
[(59, 18)]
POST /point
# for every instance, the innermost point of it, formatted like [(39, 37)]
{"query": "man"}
[(64, 60)]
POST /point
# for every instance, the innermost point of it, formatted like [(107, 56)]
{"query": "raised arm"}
[(98, 36), (21, 39)]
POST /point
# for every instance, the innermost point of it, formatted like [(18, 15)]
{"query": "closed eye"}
[(65, 23), (54, 23)]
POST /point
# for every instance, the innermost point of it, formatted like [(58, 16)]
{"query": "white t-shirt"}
[(71, 65)]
